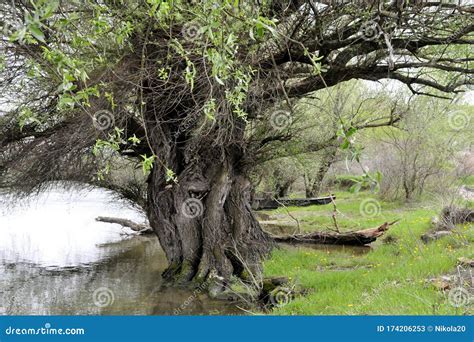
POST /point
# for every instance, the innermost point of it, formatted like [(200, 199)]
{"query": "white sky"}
[(58, 228), (467, 97)]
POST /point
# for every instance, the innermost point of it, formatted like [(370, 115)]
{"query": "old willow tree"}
[(198, 92)]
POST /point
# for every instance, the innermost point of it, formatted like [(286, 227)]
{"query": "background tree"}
[(194, 91), (276, 177), (348, 107), (422, 151), (316, 133)]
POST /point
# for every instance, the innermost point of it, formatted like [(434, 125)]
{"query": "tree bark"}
[(204, 220), (352, 238), (314, 187)]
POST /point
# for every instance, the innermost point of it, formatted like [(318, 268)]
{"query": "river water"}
[(55, 259)]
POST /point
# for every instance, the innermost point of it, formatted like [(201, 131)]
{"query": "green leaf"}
[(351, 131), (356, 187), (36, 32), (66, 101), (221, 82), (147, 163), (170, 176), (134, 140), (345, 144), (50, 9)]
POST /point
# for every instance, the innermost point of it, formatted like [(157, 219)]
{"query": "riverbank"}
[(392, 277)]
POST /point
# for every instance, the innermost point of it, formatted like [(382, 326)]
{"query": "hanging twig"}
[(298, 229), (334, 215)]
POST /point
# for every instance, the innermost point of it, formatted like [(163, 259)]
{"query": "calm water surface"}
[(55, 259)]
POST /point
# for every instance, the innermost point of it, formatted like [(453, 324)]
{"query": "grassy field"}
[(391, 277), (469, 181)]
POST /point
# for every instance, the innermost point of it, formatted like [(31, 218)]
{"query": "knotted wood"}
[(351, 238)]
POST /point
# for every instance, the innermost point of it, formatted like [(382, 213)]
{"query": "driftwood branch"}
[(353, 238), (136, 227)]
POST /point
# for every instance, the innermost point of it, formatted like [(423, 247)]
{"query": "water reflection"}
[(59, 228), (56, 260), (128, 281)]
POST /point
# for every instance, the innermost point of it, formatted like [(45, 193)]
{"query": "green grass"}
[(391, 278), (469, 181)]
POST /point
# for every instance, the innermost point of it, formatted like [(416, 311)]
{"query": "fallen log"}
[(268, 204), (451, 216), (445, 224), (351, 238), (136, 227), (431, 236)]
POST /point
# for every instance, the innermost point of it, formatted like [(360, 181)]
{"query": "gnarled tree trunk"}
[(204, 220)]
